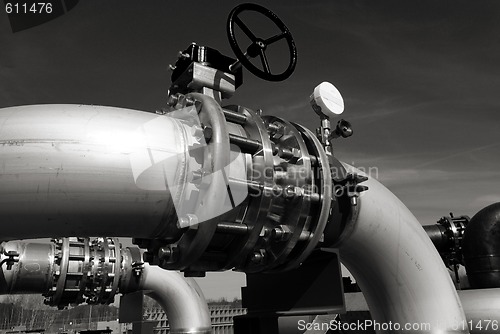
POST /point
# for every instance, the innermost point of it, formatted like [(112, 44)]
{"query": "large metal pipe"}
[(84, 170), (397, 267), (482, 307), (91, 170)]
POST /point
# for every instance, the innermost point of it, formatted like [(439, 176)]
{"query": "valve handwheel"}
[(259, 45)]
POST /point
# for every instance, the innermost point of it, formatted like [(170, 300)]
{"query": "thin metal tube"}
[(232, 228), (246, 145), (181, 299), (234, 117)]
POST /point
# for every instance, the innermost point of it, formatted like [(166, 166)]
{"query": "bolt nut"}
[(276, 190), (280, 131), (292, 191), (164, 253), (275, 148), (190, 101), (197, 132), (197, 176), (258, 256), (187, 221), (172, 100), (208, 132), (264, 232), (201, 178), (281, 233), (183, 55)]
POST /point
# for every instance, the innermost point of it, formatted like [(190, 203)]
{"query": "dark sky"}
[(420, 80)]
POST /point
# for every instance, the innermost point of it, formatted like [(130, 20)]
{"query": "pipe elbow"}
[(181, 299), (396, 265), (481, 248)]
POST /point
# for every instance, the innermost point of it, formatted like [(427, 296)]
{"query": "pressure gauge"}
[(327, 101)]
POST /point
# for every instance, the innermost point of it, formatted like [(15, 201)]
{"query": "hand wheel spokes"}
[(265, 64), (275, 38), (258, 46), (245, 29)]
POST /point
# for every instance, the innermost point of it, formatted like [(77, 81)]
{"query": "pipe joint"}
[(447, 236), (75, 270)]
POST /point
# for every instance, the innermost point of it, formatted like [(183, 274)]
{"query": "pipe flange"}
[(106, 271), (85, 270), (455, 229), (259, 174), (196, 239), (292, 208), (321, 170)]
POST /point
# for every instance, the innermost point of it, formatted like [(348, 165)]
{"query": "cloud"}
[(487, 199)]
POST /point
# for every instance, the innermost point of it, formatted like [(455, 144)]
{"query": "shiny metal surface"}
[(85, 170), (64, 272), (93, 170), (68, 270), (257, 206), (89, 170), (396, 265), (85, 271), (482, 307), (324, 187), (292, 174), (211, 197), (30, 273), (181, 298)]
